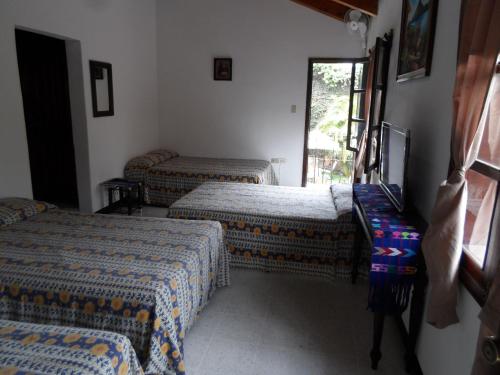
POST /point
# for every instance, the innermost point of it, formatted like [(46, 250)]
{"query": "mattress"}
[(46, 349), (144, 278), (277, 228), (168, 181)]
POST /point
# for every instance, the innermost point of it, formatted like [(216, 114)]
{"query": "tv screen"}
[(394, 149)]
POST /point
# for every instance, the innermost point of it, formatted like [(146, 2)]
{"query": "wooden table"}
[(365, 231)]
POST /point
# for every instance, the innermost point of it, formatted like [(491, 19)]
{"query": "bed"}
[(145, 278), (27, 348), (168, 176), (277, 228)]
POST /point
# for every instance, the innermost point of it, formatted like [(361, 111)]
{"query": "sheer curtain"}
[(490, 151), (442, 246), (480, 187)]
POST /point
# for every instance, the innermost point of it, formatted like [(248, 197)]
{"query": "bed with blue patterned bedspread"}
[(27, 348), (174, 178), (280, 228), (167, 176), (145, 278)]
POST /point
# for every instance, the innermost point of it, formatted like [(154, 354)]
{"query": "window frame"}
[(475, 278), (380, 80), (311, 62)]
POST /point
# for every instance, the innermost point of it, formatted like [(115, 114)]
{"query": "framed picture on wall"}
[(223, 69), (418, 26)]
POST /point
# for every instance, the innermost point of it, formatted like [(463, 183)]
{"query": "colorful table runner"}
[(396, 243)]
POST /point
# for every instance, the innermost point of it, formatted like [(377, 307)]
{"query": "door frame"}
[(312, 61), (74, 59)]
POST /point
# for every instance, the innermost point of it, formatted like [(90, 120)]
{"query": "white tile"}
[(152, 211), (246, 300), (231, 357), (195, 347), (273, 324), (206, 324), (333, 337), (285, 332), (287, 361), (244, 328)]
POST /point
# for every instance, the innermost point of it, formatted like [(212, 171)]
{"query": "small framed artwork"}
[(418, 26), (223, 69)]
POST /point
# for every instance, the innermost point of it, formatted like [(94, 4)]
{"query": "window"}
[(336, 89), (481, 237)]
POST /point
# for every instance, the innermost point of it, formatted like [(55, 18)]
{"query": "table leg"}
[(140, 194), (356, 253), (110, 196), (378, 329), (416, 314), (129, 201)]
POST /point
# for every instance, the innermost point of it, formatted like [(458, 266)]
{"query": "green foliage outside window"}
[(329, 113)]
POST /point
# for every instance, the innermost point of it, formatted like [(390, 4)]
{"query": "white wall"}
[(122, 32), (425, 106), (270, 42)]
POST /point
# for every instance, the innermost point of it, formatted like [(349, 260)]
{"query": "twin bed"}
[(27, 348), (280, 228), (167, 176), (144, 278)]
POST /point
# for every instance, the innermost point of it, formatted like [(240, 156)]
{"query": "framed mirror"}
[(101, 83)]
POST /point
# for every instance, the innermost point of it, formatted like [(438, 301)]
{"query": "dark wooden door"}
[(44, 83)]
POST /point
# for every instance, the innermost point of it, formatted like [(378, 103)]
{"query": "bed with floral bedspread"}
[(278, 228), (145, 278), (167, 176), (27, 348)]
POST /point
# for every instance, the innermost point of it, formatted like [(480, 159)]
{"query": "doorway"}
[(43, 72), (334, 119)]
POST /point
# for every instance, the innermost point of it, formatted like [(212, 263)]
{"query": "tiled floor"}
[(281, 324), (152, 211)]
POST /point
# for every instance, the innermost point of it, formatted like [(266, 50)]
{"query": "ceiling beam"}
[(369, 7), (328, 7)]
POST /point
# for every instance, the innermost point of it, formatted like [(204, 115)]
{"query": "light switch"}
[(294, 108)]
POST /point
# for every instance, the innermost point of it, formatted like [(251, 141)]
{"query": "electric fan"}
[(357, 23)]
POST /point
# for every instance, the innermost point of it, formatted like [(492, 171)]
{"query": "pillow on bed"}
[(134, 170), (342, 198), (164, 154), (13, 210)]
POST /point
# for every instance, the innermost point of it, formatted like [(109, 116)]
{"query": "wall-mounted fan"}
[(357, 23)]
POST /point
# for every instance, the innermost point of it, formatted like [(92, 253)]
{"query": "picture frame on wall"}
[(223, 69), (418, 27)]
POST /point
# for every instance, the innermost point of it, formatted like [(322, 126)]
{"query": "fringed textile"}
[(394, 253)]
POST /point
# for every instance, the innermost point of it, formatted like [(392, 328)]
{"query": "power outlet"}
[(278, 160), (293, 109)]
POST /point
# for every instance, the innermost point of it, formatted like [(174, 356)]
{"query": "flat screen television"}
[(394, 152)]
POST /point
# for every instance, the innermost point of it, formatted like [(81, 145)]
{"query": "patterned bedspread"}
[(305, 230), (170, 180), (136, 168), (145, 278), (44, 349)]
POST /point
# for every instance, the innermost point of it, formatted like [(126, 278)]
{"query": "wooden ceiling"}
[(338, 8)]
